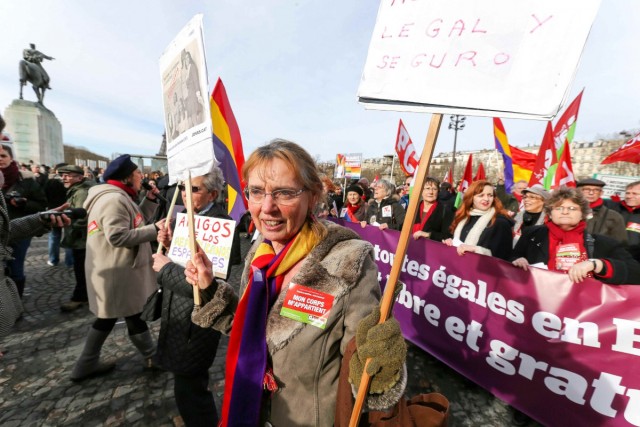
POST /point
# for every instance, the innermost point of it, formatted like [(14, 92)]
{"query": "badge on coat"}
[(137, 220), (633, 226), (567, 255), (92, 228), (307, 305), (387, 212)]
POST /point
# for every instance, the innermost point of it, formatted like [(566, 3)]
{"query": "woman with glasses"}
[(185, 349), (306, 286), (481, 224), (563, 244), (384, 211), (433, 218), (533, 199)]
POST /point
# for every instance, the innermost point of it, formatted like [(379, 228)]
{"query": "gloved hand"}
[(385, 346)]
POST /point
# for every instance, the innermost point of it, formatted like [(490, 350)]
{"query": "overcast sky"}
[(291, 69)]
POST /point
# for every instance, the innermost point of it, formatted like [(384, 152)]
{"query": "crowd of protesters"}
[(568, 230)]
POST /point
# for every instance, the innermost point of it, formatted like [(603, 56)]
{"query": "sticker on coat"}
[(92, 228), (387, 211), (307, 305)]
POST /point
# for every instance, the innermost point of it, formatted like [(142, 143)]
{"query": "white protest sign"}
[(214, 235), (486, 58), (616, 184), (185, 94)]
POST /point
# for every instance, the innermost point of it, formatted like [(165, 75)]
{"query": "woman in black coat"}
[(564, 245), (433, 218)]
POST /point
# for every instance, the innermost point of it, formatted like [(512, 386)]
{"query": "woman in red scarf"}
[(432, 219), (355, 209), (306, 286), (563, 244)]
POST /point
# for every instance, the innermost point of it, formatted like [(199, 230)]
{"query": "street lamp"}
[(457, 123)]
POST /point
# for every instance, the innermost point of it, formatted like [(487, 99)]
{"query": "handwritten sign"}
[(499, 58), (214, 236), (185, 94)]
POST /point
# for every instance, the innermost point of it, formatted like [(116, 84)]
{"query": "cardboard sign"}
[(214, 235), (499, 58), (185, 95)]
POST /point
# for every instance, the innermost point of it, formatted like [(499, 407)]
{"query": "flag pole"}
[(192, 234), (167, 221), (387, 298)]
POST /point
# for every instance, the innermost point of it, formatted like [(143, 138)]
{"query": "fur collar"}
[(333, 266)]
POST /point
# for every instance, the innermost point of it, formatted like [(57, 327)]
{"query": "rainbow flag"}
[(502, 145), (227, 147)]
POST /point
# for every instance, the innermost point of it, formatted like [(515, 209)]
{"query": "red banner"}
[(564, 354), (406, 151), (629, 152)]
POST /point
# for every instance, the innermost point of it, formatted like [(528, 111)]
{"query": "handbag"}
[(423, 410), (152, 309)]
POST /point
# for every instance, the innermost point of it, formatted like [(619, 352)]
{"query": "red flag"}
[(467, 178), (564, 173), (447, 177), (629, 152), (546, 157), (566, 125), (523, 163), (406, 151), (480, 174)]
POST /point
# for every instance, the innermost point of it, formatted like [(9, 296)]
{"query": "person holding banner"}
[(306, 287), (356, 208), (433, 219), (629, 208), (185, 349), (118, 263), (384, 211), (481, 224), (564, 245)]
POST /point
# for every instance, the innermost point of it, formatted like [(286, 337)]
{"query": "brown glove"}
[(385, 346)]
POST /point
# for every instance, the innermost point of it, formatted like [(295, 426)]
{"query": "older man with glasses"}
[(603, 221)]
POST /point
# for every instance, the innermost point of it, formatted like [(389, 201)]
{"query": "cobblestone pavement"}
[(35, 389)]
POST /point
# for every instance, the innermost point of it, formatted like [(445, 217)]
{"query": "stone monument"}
[(34, 129)]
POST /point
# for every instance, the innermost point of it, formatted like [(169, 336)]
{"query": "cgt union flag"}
[(629, 152), (406, 152)]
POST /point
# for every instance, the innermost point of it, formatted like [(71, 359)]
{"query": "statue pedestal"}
[(35, 131)]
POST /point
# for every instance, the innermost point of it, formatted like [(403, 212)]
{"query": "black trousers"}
[(80, 291), (195, 400)]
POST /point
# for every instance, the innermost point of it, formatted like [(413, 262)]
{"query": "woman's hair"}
[(388, 187), (331, 187), (431, 180), (8, 149), (565, 193), (213, 180), (464, 211), (300, 163)]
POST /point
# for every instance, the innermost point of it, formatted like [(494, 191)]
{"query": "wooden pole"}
[(192, 234), (167, 221), (387, 298)]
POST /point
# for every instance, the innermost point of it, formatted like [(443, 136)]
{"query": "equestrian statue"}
[(32, 71)]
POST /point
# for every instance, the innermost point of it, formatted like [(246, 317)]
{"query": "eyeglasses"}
[(284, 196), (591, 190), (194, 189), (568, 208)]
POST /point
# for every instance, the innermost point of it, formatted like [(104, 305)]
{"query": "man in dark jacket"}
[(184, 348), (604, 221), (75, 235), (629, 208)]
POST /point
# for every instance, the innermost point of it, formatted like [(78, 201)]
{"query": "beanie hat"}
[(120, 168), (355, 188)]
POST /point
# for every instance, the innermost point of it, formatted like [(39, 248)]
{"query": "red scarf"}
[(351, 211), (129, 190), (11, 175), (596, 204), (424, 216), (627, 207), (558, 237)]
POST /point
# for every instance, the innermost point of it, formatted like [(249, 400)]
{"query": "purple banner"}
[(563, 353)]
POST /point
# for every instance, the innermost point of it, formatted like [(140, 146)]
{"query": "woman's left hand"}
[(580, 270), (383, 226), (463, 248), (159, 261)]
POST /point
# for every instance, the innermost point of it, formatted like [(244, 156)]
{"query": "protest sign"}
[(500, 58), (564, 354), (353, 166), (616, 184), (340, 165), (214, 235), (185, 95)]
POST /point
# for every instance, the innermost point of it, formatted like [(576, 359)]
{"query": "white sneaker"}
[(50, 264)]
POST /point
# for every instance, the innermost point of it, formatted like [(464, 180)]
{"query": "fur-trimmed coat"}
[(305, 359)]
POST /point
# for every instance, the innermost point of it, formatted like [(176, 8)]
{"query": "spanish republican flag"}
[(227, 146), (502, 145)]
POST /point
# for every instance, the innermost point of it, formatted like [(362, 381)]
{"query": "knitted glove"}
[(385, 346)]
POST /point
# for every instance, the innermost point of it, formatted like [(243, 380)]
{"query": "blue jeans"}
[(54, 248), (16, 266)]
